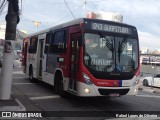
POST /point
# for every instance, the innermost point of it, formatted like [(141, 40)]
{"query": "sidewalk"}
[(13, 104), (18, 102), (149, 89)]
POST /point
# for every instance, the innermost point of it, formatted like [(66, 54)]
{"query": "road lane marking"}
[(17, 72), (148, 96), (19, 77), (19, 107), (44, 97), (22, 83)]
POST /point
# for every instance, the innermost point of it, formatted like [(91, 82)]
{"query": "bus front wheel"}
[(59, 87)]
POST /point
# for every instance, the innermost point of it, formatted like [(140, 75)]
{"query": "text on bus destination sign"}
[(110, 28)]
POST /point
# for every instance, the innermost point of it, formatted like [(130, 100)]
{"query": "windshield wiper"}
[(119, 51), (121, 46), (108, 43)]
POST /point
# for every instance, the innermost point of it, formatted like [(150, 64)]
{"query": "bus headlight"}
[(86, 90), (87, 79)]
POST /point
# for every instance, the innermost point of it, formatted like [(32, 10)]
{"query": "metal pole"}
[(12, 19), (85, 2), (153, 74)]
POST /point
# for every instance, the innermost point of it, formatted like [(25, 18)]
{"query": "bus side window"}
[(48, 43), (33, 45), (59, 43)]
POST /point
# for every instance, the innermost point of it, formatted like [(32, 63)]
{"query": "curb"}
[(14, 108), (149, 90), (140, 88), (158, 92)]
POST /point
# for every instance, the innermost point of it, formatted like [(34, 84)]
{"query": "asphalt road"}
[(39, 96)]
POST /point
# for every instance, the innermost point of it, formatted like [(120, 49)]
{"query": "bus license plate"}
[(114, 94)]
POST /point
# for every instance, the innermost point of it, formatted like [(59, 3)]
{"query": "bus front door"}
[(40, 57), (74, 61)]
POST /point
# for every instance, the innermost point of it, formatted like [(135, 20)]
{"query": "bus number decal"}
[(101, 62)]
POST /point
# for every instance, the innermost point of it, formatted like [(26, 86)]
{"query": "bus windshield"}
[(103, 53)]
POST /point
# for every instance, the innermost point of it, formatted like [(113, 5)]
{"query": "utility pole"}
[(12, 19), (85, 2)]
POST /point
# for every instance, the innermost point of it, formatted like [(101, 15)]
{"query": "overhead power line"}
[(2, 3), (97, 1), (2, 6), (69, 9), (66, 15), (25, 18)]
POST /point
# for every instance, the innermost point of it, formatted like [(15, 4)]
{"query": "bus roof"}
[(76, 22)]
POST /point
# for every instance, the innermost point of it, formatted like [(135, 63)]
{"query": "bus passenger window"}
[(59, 44), (33, 45), (48, 43)]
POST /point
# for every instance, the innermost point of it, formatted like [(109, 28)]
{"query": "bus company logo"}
[(6, 114), (102, 83), (115, 83)]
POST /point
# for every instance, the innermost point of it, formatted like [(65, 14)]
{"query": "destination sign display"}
[(111, 28)]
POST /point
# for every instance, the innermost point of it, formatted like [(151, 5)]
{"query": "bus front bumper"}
[(92, 90)]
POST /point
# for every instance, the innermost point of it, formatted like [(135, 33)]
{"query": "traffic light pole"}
[(12, 19)]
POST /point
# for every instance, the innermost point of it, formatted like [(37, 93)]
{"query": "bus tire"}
[(59, 87), (145, 82), (56, 86), (62, 93)]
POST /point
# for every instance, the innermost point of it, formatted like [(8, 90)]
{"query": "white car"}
[(149, 81)]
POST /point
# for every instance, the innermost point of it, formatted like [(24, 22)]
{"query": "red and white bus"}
[(85, 57)]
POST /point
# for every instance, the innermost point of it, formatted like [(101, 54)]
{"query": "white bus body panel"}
[(93, 90), (48, 78)]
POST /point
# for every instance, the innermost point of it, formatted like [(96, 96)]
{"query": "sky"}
[(143, 14)]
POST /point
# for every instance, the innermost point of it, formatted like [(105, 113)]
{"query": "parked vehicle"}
[(149, 81), (145, 61)]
